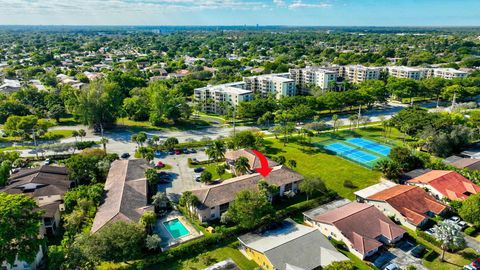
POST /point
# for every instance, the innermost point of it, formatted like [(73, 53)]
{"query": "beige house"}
[(410, 205), (362, 227), (215, 199), (126, 191)]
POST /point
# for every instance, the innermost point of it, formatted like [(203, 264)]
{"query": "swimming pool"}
[(176, 228)]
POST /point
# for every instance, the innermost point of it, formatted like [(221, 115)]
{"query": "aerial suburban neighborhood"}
[(239, 135)]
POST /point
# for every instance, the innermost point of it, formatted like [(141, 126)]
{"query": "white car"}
[(391, 266), (47, 161), (455, 219)]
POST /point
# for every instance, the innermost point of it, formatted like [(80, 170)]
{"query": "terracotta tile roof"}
[(449, 183), (411, 201), (125, 193), (361, 224), (226, 191), (253, 160)]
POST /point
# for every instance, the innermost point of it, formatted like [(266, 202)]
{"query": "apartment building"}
[(359, 73), (322, 77), (448, 73), (279, 85), (214, 99), (406, 72)]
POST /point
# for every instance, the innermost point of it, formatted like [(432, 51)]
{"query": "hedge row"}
[(429, 238)]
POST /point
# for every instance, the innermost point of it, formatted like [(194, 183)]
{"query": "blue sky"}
[(239, 12)]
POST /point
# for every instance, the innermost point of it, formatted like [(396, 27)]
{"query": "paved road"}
[(120, 140), (472, 243)]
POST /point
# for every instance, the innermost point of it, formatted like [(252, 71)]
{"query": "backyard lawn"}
[(333, 170), (209, 258)]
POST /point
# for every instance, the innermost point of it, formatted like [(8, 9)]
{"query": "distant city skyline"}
[(240, 12)]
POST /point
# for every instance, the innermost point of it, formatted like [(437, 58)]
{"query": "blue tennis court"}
[(354, 154), (370, 145)]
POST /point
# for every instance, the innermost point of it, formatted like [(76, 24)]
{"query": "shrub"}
[(85, 144), (430, 255), (349, 184), (428, 237), (471, 230)]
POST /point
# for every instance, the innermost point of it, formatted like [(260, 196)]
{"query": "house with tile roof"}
[(214, 200), (46, 185), (362, 227), (410, 205), (126, 191), (466, 163), (290, 246), (446, 185)]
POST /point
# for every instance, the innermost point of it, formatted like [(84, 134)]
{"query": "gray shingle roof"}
[(293, 246), (125, 193)]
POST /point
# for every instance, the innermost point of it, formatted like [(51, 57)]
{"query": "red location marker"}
[(264, 170)]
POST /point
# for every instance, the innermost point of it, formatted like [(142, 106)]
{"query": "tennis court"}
[(354, 154), (370, 145)]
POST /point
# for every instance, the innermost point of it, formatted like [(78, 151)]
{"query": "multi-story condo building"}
[(279, 85), (359, 73), (406, 72), (323, 77), (448, 73), (216, 99)]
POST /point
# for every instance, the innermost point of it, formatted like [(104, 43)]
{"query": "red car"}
[(178, 152), (160, 164), (476, 263)]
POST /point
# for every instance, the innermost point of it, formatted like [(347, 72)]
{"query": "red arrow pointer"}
[(264, 170)]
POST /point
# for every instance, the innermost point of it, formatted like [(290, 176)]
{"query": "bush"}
[(428, 237), (470, 230), (431, 255), (349, 184), (85, 144)]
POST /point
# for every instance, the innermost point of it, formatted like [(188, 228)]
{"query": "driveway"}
[(472, 243), (182, 179), (399, 255)]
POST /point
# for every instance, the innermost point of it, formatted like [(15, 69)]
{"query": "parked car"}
[(160, 164), (469, 267), (418, 251), (391, 266), (171, 152), (193, 151), (199, 169), (463, 224), (429, 231), (197, 178), (47, 161), (185, 151), (476, 263), (178, 152), (125, 155), (455, 219), (194, 160)]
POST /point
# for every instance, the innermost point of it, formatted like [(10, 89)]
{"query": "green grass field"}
[(211, 257), (333, 170)]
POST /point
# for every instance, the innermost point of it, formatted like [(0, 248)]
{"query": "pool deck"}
[(167, 240)]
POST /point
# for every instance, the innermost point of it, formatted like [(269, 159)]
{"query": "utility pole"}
[(35, 142), (454, 100), (359, 115), (234, 120)]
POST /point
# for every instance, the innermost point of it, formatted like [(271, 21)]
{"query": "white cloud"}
[(300, 4), (279, 3), (122, 6)]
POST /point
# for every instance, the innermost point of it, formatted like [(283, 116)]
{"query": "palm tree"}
[(104, 142), (241, 165), (75, 134), (335, 120), (82, 133), (216, 152), (352, 119)]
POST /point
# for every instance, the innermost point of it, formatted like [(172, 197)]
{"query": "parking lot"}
[(182, 176), (400, 255)]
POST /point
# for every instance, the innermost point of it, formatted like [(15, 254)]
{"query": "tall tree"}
[(450, 235), (241, 165), (216, 151), (250, 208), (312, 185), (19, 228)]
